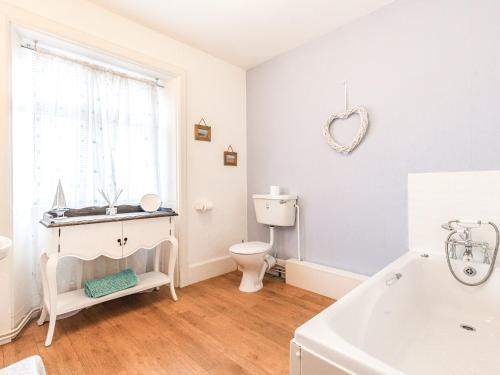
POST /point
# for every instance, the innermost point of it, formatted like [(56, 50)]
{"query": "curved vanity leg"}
[(157, 260), (52, 288), (174, 249), (43, 265)]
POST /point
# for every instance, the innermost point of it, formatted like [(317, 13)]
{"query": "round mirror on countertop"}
[(150, 202)]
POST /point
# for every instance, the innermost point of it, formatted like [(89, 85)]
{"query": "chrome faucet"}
[(461, 234), (464, 231)]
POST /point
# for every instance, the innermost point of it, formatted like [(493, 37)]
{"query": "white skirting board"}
[(327, 281), (214, 267)]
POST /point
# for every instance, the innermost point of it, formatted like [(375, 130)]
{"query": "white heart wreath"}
[(345, 149)]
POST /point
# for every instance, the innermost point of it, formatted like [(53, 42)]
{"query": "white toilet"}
[(253, 257)]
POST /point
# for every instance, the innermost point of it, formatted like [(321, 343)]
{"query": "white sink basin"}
[(5, 244)]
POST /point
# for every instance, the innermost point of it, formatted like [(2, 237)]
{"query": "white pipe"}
[(271, 240), (298, 232), (269, 262), (20, 326)]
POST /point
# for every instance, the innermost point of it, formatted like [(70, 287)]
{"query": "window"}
[(92, 127), (92, 123)]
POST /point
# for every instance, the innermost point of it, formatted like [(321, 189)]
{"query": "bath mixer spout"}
[(463, 230)]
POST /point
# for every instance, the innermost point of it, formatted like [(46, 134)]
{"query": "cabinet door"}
[(89, 241), (144, 234)]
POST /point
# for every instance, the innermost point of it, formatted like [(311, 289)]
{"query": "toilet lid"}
[(254, 247)]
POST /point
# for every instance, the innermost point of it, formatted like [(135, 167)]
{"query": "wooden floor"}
[(212, 329)]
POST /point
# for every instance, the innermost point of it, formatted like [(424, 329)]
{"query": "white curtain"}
[(91, 129)]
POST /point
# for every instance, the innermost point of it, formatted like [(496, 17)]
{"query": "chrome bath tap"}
[(461, 234), (464, 231)]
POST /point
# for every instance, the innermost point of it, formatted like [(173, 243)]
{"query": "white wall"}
[(213, 89), (427, 71), (436, 198), (5, 186)]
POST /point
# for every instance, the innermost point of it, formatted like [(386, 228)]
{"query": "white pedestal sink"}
[(5, 244)]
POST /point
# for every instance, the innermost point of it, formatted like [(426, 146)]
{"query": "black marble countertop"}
[(94, 215)]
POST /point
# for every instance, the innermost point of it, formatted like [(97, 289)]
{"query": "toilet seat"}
[(249, 248)]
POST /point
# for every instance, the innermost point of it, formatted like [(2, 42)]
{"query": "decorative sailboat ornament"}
[(59, 207)]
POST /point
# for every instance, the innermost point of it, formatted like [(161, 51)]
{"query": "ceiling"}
[(243, 32)]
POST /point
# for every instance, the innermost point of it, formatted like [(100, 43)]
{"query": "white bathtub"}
[(412, 326)]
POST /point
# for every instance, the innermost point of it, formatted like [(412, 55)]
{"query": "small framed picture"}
[(230, 157), (202, 132)]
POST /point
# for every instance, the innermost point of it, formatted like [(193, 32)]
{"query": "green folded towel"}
[(110, 284)]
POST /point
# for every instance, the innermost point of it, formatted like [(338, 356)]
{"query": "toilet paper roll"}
[(203, 206), (275, 190)]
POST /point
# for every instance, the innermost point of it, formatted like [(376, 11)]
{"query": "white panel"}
[(436, 198), (294, 359), (211, 268), (315, 365), (327, 281), (91, 240)]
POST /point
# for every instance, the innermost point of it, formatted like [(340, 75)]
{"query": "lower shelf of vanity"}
[(77, 300)]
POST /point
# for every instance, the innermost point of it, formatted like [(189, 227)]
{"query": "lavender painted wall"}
[(428, 72)]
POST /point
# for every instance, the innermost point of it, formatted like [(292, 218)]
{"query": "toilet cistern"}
[(253, 257)]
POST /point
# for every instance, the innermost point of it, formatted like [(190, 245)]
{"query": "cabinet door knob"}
[(119, 240), (125, 240)]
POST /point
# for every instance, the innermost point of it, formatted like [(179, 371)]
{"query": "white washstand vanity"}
[(89, 233)]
